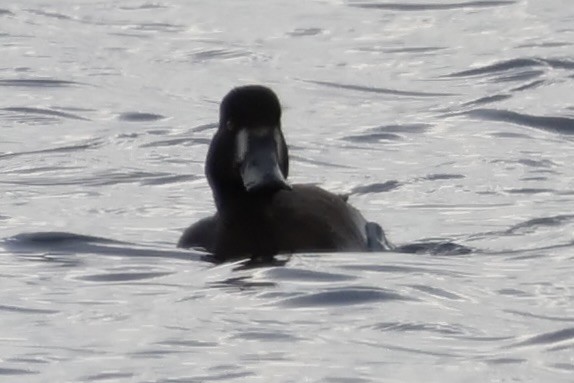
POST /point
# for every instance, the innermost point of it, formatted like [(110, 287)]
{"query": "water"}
[(445, 120)]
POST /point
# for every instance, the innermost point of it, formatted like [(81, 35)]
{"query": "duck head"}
[(248, 156)]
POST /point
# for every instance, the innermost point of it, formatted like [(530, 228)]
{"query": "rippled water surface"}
[(444, 120)]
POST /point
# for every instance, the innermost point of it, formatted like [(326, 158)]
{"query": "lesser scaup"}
[(259, 214)]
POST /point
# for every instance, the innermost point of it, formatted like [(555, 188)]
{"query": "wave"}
[(431, 6), (564, 125)]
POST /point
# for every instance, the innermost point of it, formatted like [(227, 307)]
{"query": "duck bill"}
[(259, 159)]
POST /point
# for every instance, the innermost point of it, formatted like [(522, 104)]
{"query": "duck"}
[(259, 214)]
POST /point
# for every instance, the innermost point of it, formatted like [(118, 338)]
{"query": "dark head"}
[(248, 154)]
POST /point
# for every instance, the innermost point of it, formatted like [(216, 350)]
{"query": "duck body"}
[(259, 214)]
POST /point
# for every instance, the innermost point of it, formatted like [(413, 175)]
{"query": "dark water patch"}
[(166, 180), (510, 135), (204, 127), (533, 84), (301, 275), (54, 237), (514, 64), (343, 297), (46, 112), (184, 141), (300, 32), (53, 15), (26, 310), (5, 12), (187, 343), (403, 128), (500, 66), (445, 247), (488, 99), (75, 109), (123, 277), (158, 27), (534, 179), (377, 187), (218, 54), (242, 283), (546, 44), (413, 50), (431, 6), (142, 6), (436, 292), (530, 191), (564, 125), (30, 359), (387, 132), (154, 354), (266, 336), (514, 293), (373, 137), (215, 377), (436, 177), (501, 361), (156, 132), (560, 64), (113, 376), (532, 224), (140, 117), (438, 328), (563, 366), (369, 89), (536, 163), (520, 76), (549, 338), (38, 83), (17, 371), (565, 347), (67, 246)]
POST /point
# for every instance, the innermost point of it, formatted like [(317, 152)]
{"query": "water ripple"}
[(564, 125), (45, 112), (548, 338), (17, 371), (439, 328), (38, 83), (219, 54), (122, 277), (370, 89), (377, 187), (432, 6), (343, 297), (545, 317), (301, 275), (61, 149), (437, 292), (108, 376), (140, 117), (512, 64), (26, 310)]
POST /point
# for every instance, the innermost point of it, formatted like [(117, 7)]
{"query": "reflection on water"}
[(450, 123)]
